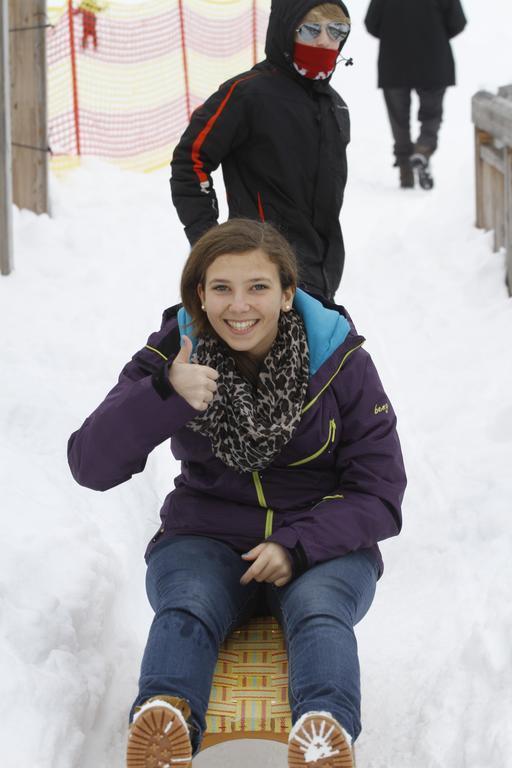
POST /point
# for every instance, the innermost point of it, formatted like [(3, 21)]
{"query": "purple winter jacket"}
[(336, 487)]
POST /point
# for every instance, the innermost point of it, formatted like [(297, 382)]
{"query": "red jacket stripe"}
[(198, 143), (261, 212)]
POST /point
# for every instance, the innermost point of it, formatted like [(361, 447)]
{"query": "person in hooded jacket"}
[(280, 133), (291, 472), (415, 55)]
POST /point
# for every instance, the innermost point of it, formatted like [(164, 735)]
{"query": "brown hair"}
[(234, 236), (329, 11)]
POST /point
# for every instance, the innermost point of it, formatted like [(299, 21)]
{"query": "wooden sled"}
[(249, 696)]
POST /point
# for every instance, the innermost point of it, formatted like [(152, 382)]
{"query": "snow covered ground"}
[(428, 293)]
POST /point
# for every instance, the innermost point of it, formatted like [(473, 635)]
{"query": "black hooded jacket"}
[(281, 140), (414, 41)]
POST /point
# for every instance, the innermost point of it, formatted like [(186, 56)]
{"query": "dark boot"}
[(421, 165), (406, 175)]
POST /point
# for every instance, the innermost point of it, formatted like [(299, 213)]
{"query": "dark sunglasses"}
[(336, 30)]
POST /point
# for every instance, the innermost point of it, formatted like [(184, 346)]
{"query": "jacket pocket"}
[(325, 447)]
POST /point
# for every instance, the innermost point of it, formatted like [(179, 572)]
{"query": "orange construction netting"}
[(125, 75)]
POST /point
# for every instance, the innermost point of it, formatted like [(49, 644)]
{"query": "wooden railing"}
[(492, 116)]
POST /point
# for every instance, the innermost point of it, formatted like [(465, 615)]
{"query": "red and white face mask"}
[(313, 62)]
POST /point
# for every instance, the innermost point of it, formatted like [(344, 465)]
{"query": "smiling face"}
[(243, 298)]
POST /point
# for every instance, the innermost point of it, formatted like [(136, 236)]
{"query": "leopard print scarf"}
[(248, 425)]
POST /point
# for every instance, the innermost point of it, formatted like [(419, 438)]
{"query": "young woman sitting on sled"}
[(291, 472)]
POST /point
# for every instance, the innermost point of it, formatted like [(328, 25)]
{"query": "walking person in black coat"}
[(415, 54), (280, 132)]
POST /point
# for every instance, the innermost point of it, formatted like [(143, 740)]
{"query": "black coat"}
[(281, 140), (414, 41)]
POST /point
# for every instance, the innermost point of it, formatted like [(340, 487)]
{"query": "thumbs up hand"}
[(195, 383)]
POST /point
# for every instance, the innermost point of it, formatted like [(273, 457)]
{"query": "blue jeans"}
[(193, 585)]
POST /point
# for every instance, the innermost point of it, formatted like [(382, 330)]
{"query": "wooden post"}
[(5, 147), (508, 215), (499, 206), (481, 138), (28, 104)]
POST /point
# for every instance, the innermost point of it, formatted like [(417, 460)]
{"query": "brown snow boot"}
[(159, 735), (317, 740)]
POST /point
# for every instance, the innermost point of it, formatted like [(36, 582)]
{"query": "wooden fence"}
[(492, 116)]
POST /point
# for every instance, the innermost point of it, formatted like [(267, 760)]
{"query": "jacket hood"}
[(326, 329), (284, 19)]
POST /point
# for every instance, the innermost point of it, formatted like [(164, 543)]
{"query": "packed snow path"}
[(427, 292)]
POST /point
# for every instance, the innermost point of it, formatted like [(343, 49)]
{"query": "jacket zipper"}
[(325, 446), (338, 369), (269, 519)]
